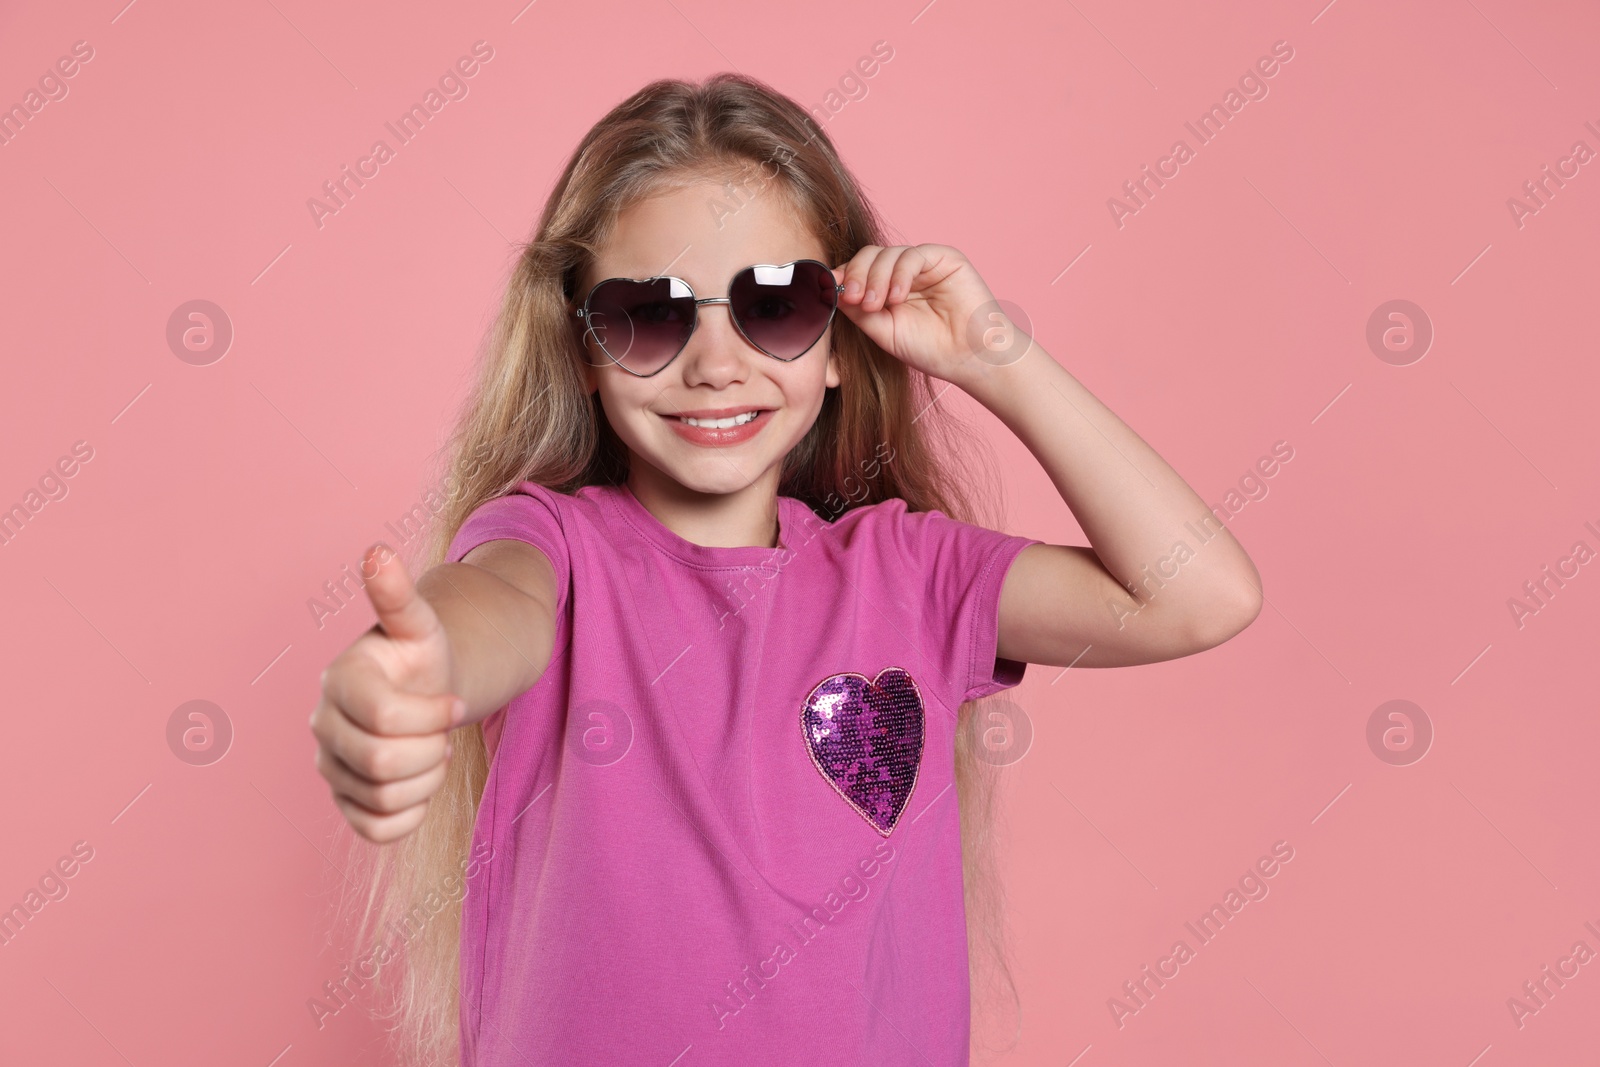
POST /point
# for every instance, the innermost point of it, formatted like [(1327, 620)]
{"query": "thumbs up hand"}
[(387, 707)]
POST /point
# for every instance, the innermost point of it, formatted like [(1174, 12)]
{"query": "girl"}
[(691, 675)]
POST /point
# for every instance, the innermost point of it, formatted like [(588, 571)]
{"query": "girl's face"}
[(702, 235)]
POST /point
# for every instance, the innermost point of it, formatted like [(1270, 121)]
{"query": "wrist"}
[(994, 374)]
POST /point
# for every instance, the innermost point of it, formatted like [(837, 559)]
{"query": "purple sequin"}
[(865, 736)]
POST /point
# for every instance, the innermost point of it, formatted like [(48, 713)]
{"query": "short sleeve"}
[(963, 568), (531, 513)]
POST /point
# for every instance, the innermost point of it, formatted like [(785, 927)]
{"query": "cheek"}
[(624, 395), (802, 383)]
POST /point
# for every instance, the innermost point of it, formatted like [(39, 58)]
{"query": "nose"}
[(717, 354)]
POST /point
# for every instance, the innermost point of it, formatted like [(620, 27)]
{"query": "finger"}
[(381, 829), (359, 687), (377, 759), (877, 280), (854, 273), (380, 798), (402, 613), (904, 275)]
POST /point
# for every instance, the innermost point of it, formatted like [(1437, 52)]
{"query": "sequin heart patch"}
[(865, 736)]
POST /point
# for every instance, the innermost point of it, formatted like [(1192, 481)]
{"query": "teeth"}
[(722, 424)]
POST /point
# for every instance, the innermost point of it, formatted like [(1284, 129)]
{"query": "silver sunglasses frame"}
[(583, 314)]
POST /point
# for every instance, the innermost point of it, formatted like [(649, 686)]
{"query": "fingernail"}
[(458, 710), (448, 748), (870, 294)]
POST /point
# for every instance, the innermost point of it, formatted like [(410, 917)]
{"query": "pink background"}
[(1226, 315)]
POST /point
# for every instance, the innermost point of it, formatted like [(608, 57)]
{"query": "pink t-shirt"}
[(723, 825)]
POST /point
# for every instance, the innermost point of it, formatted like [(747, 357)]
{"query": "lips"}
[(739, 429)]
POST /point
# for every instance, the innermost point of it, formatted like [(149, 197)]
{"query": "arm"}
[(1149, 589), (497, 607)]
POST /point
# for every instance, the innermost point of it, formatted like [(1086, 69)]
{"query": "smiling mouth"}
[(727, 419)]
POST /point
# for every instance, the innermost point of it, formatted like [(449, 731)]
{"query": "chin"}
[(708, 473), (715, 474)]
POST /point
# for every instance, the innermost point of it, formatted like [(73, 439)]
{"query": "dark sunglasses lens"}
[(784, 310), (641, 325)]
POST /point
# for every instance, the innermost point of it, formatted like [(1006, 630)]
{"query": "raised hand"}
[(918, 303), (387, 707)]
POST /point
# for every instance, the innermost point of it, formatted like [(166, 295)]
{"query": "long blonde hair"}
[(531, 418)]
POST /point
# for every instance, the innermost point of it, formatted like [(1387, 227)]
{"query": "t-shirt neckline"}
[(636, 515)]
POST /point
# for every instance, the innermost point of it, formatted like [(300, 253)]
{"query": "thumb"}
[(402, 613)]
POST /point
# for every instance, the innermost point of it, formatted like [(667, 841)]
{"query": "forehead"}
[(705, 231)]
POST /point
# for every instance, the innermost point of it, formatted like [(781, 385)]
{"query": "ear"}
[(831, 375)]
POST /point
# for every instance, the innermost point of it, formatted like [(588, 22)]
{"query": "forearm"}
[(500, 637), (1150, 530)]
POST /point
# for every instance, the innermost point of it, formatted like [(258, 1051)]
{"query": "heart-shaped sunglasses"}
[(643, 323)]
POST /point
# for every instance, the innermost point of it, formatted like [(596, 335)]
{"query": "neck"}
[(736, 519)]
